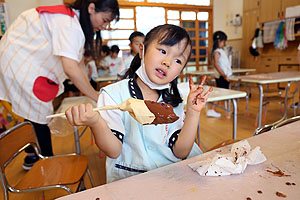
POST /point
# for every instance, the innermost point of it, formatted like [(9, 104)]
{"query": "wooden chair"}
[(48, 173), (280, 98), (287, 121)]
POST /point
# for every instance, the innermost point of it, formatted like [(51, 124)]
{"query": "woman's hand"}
[(82, 115), (197, 97)]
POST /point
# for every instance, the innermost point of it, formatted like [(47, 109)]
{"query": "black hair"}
[(105, 49), (114, 49), (135, 34), (87, 53), (217, 37), (85, 22), (169, 35)]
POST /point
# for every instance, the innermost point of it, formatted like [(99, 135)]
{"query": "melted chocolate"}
[(163, 112), (278, 173), (280, 194)]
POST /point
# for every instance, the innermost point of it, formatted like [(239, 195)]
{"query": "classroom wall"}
[(224, 12), (15, 7)]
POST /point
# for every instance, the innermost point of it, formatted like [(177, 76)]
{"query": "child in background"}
[(113, 62), (136, 38), (91, 68), (103, 70), (131, 147), (222, 66)]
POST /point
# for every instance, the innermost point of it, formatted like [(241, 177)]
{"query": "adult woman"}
[(41, 49)]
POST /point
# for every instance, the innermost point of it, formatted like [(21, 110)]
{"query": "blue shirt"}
[(145, 147)]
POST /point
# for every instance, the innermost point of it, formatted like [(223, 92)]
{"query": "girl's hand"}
[(197, 97), (82, 115)]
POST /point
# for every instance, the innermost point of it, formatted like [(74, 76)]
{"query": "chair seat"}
[(50, 171)]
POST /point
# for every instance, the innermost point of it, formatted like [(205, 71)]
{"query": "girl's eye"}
[(178, 61), (162, 51)]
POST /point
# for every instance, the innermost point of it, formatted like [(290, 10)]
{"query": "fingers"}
[(202, 81), (192, 85), (203, 96), (191, 82), (76, 114)]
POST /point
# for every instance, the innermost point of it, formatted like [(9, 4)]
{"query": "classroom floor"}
[(212, 131)]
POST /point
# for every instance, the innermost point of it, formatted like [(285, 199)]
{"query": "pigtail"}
[(135, 64), (172, 95)]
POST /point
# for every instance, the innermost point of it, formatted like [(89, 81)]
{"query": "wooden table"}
[(178, 182), (218, 94), (267, 78)]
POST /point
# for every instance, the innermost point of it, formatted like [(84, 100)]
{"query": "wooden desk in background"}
[(178, 181), (212, 72), (268, 78)]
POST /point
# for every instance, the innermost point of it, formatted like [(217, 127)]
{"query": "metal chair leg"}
[(90, 177)]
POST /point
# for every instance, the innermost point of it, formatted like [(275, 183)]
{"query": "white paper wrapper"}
[(233, 163)]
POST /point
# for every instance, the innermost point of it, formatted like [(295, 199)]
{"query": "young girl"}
[(131, 147), (221, 64)]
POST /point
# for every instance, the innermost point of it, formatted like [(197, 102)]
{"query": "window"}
[(146, 20)]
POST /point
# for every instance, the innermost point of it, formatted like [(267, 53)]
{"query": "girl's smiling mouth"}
[(160, 72)]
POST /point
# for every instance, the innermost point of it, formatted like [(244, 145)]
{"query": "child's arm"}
[(216, 64), (195, 102), (83, 115)]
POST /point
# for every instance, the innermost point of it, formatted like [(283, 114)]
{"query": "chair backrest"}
[(287, 121), (263, 129), (14, 139)]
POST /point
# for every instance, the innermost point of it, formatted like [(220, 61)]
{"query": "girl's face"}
[(164, 63), (99, 20), (221, 43)]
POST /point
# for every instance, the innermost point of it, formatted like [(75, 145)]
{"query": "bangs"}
[(174, 36)]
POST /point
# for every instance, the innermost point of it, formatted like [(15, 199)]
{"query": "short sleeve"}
[(65, 34), (113, 118), (68, 42)]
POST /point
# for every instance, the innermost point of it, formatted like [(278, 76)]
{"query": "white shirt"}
[(224, 63), (92, 63), (113, 65), (31, 49)]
